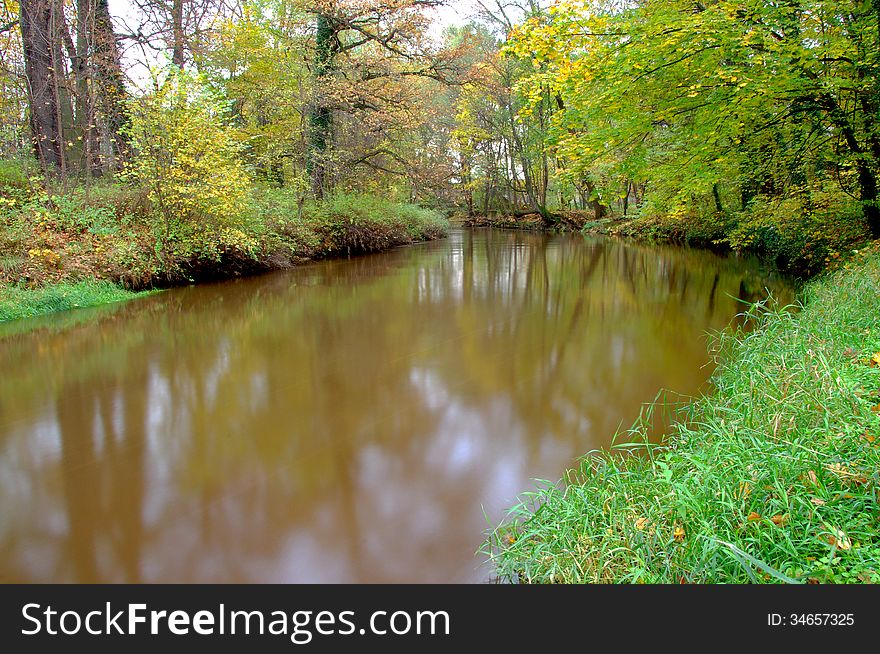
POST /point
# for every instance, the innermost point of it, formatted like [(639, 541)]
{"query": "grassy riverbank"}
[(90, 246), (793, 236), (18, 302), (773, 478)]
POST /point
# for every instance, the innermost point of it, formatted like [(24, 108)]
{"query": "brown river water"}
[(352, 420)]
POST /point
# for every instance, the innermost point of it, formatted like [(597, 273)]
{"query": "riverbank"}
[(90, 247), (775, 477), (802, 244)]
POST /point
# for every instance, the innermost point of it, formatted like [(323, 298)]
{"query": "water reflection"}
[(345, 421)]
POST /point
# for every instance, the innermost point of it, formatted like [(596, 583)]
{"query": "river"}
[(350, 420)]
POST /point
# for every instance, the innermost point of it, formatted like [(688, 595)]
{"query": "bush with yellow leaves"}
[(187, 157)]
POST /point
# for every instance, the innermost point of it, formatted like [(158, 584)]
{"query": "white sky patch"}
[(138, 61)]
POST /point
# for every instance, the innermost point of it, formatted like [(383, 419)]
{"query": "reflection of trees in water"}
[(346, 415), (579, 326)]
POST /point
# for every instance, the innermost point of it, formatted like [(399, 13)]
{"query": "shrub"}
[(360, 223), (802, 231), (187, 158)]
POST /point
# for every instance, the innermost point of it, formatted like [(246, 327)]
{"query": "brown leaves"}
[(837, 537), (846, 475), (780, 519)]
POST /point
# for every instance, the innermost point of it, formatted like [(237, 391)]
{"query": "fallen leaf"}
[(818, 502), (812, 476), (838, 537), (641, 523), (753, 516), (875, 360), (779, 519), (679, 534)]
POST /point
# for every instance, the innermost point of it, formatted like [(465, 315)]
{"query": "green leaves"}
[(714, 105)]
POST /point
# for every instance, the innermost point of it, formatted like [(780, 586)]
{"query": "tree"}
[(14, 135), (364, 52), (706, 99), (41, 23), (69, 81)]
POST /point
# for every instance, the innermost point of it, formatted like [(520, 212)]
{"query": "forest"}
[(150, 144), (187, 139)]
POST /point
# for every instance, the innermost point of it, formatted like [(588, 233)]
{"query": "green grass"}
[(18, 302), (345, 224), (775, 477)]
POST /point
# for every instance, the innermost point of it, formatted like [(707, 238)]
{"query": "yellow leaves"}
[(745, 489), (837, 537), (838, 469), (180, 139), (679, 534), (875, 360), (49, 256)]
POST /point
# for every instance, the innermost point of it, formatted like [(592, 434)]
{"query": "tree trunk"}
[(40, 46), (719, 208), (321, 116), (108, 71), (85, 147), (177, 33), (598, 207)]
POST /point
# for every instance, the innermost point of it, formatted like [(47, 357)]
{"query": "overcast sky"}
[(455, 12)]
